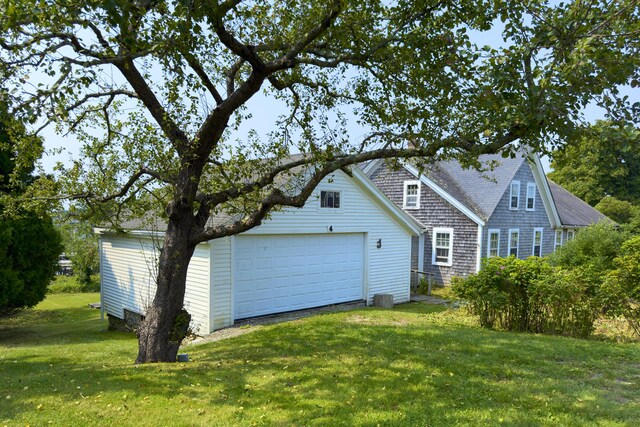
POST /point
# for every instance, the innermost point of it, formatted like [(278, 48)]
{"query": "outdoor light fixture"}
[(330, 228), (379, 243)]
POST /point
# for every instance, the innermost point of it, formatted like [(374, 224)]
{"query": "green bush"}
[(564, 302), (498, 293), (71, 285), (529, 295), (592, 251), (29, 250), (621, 289)]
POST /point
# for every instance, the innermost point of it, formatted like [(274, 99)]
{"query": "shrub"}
[(71, 285), (564, 302), (592, 251), (530, 295), (621, 289), (498, 293), (29, 250)]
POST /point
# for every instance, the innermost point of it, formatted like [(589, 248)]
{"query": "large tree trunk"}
[(166, 323)]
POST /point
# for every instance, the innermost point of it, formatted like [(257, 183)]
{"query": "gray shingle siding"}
[(505, 219), (434, 212)]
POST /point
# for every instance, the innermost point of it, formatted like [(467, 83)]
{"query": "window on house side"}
[(493, 247), (411, 199), (442, 246), (558, 242), (570, 234), (537, 241), (330, 199), (531, 196), (514, 200), (514, 236)]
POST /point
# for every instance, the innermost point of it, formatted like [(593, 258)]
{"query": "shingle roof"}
[(479, 191), (573, 211)]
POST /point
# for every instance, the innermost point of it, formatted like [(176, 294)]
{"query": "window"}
[(570, 234), (442, 253), (411, 199), (330, 199), (514, 236), (558, 241), (531, 196), (514, 200), (493, 244), (537, 242)]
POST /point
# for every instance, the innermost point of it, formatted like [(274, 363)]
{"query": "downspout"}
[(101, 276), (421, 251), (479, 251)]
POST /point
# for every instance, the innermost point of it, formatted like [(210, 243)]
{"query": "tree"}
[(29, 243), (155, 90), (620, 211), (600, 160), (81, 245)]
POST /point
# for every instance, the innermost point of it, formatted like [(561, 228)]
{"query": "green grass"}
[(414, 365)]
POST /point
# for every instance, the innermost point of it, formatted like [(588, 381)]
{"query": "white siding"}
[(128, 270), (388, 267), (221, 277)]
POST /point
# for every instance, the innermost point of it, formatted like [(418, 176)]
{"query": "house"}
[(348, 243), (574, 214), (467, 215)]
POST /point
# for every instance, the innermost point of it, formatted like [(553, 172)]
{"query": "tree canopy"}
[(29, 243), (599, 161), (156, 90)]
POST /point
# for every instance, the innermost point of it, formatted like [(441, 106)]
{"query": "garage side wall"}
[(387, 269), (221, 279), (128, 271)]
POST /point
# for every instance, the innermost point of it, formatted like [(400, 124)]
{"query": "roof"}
[(476, 193), (480, 191), (573, 211)]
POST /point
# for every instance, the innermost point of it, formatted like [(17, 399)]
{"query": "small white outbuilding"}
[(348, 243)]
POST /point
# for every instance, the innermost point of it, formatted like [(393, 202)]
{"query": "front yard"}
[(414, 365)]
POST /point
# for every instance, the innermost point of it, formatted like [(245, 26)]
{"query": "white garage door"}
[(274, 274)]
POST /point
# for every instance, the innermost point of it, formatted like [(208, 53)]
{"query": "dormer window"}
[(514, 199), (531, 196), (411, 198), (330, 199)]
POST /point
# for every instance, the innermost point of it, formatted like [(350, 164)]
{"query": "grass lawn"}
[(414, 365)]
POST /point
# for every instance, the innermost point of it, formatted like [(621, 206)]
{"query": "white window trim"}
[(573, 233), (533, 247), (326, 209), (404, 194), (511, 185), (531, 186), (434, 233), (557, 244), (490, 232), (514, 230)]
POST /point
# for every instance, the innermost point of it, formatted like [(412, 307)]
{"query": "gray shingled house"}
[(469, 215), (574, 213)]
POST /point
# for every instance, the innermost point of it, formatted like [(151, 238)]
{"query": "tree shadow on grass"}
[(47, 327), (369, 371), (364, 367)]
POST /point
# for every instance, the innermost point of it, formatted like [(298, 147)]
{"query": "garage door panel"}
[(283, 273)]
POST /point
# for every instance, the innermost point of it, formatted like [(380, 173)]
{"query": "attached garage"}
[(350, 249), (274, 274)]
